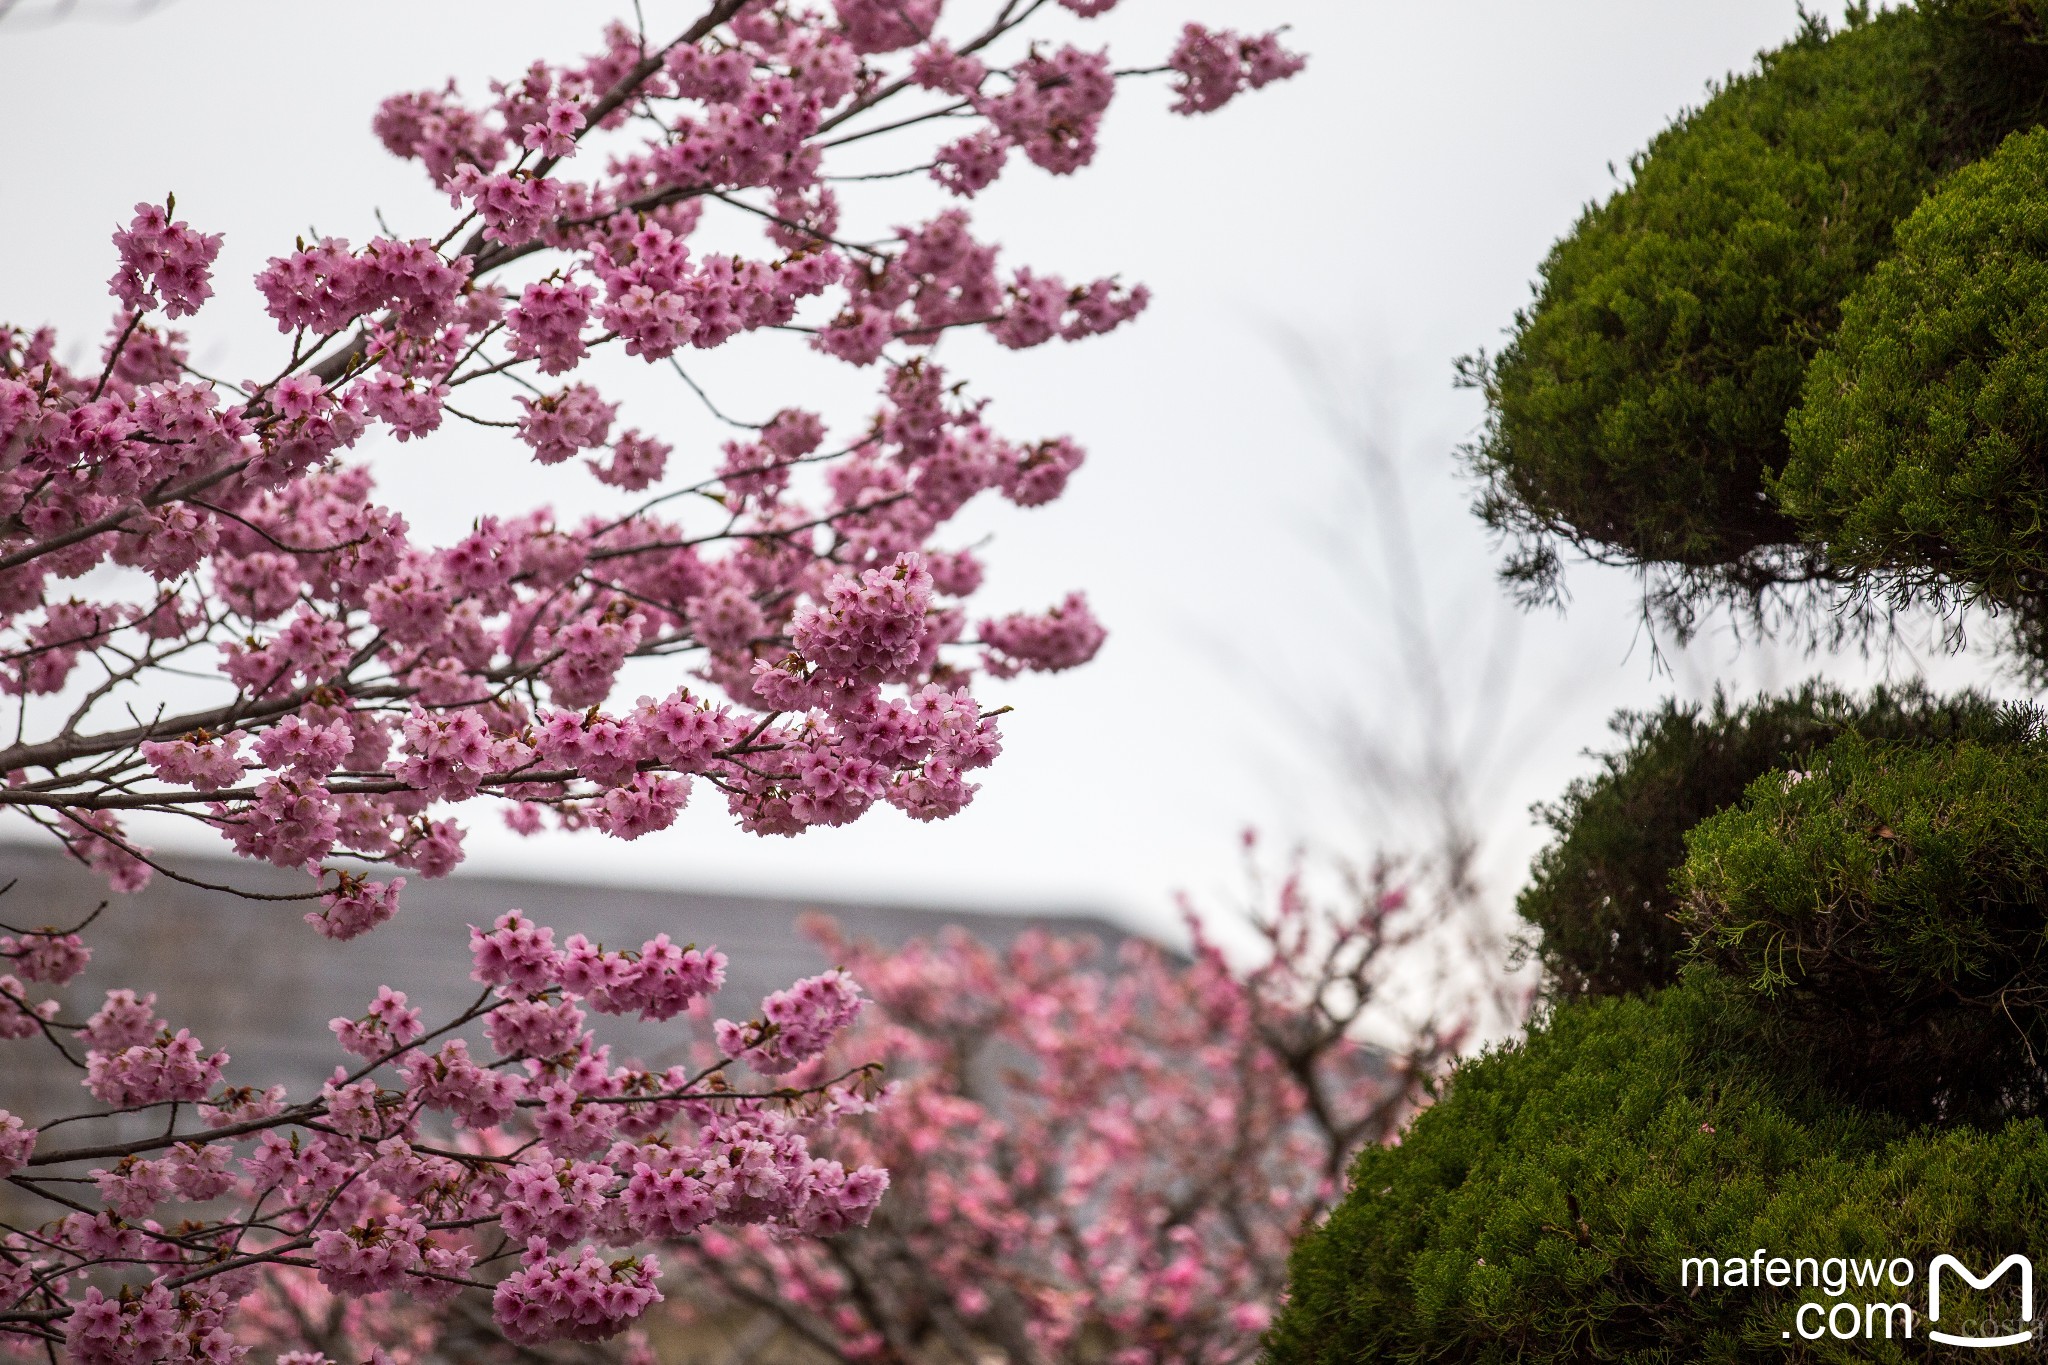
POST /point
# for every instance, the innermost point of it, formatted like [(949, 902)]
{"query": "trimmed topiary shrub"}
[(1920, 450), (1541, 1210), (1894, 902), (1798, 950), (1993, 56), (1638, 409), (1601, 894), (1640, 403)]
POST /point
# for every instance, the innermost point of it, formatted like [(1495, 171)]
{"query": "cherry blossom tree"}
[(1093, 1160), (1097, 1161), (794, 596)]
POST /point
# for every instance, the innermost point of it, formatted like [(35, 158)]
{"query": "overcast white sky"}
[(1353, 230)]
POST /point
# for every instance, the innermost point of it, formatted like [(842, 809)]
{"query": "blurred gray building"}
[(253, 978)]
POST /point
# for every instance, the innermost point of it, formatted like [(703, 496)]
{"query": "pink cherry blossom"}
[(125, 1020), (517, 955), (1126, 1182), (164, 264), (788, 593), (17, 1142), (157, 1325), (46, 955), (355, 906), (1065, 637), (585, 1299), (1213, 66), (370, 1256), (547, 324), (387, 1026), (868, 628), (133, 1189), (794, 1025), (175, 1067)]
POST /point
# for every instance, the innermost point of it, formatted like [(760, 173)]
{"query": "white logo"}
[(2026, 1268)]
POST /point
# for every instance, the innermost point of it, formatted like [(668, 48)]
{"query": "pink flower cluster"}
[(198, 760), (1214, 66), (324, 287), (386, 1028), (17, 1141), (659, 981), (795, 1025), (547, 325), (355, 906), (46, 955), (160, 1326), (164, 264), (366, 1258), (18, 1017), (172, 1068), (553, 1298), (869, 629), (1065, 637), (358, 1185), (1054, 106)]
